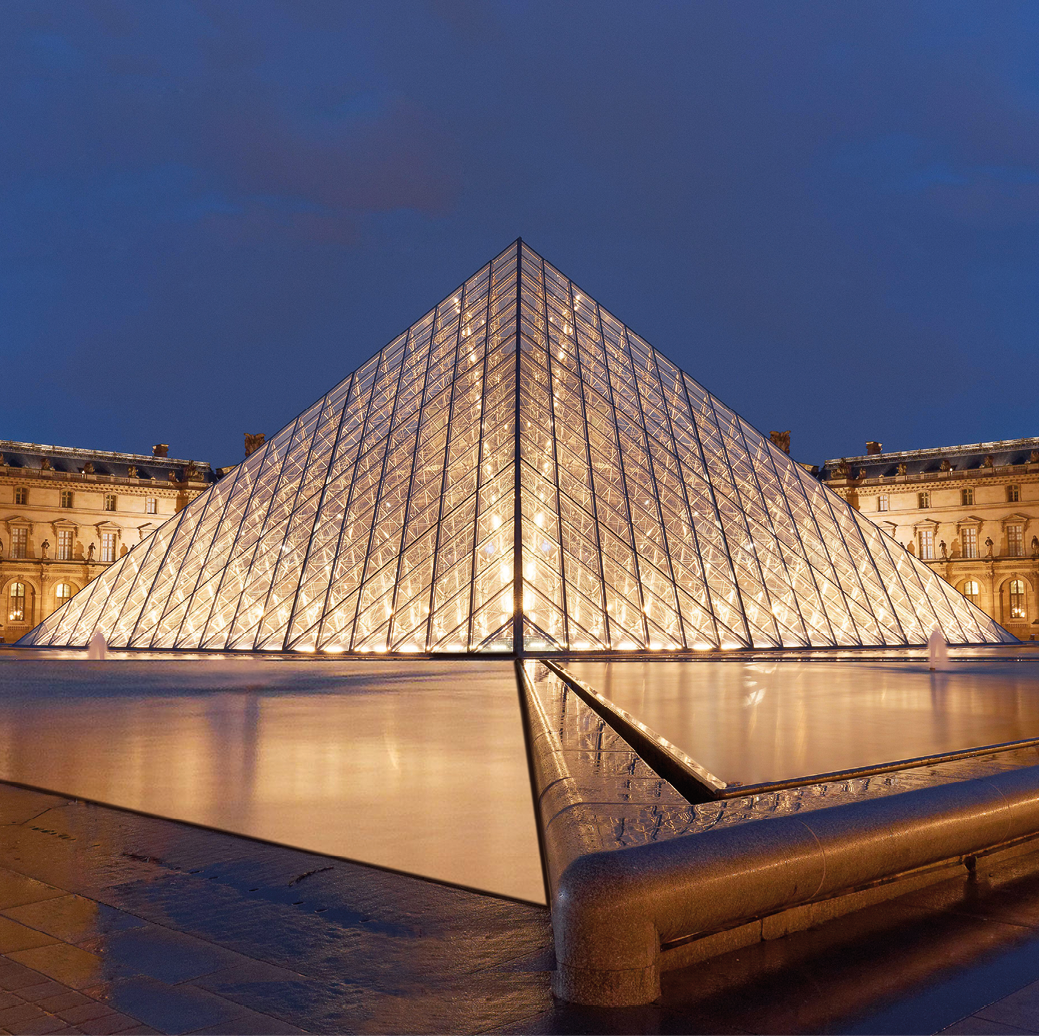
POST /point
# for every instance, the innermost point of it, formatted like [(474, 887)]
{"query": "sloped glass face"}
[(518, 463)]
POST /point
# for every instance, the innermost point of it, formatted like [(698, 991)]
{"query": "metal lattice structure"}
[(518, 471)]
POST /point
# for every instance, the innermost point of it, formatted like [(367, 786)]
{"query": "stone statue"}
[(1035, 546), (172, 476), (88, 468), (911, 547), (44, 547), (1033, 457), (944, 549), (254, 442), (989, 460), (862, 473), (90, 552), (45, 464), (901, 469), (191, 472), (131, 471), (1, 550), (780, 439), (988, 543), (945, 465), (843, 469)]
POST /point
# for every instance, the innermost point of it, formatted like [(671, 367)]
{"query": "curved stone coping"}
[(616, 910)]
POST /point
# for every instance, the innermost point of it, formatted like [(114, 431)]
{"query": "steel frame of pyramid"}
[(517, 472)]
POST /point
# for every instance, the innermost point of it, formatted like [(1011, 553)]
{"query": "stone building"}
[(970, 512), (67, 514)]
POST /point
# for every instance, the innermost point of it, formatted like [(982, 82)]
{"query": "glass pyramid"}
[(519, 470)]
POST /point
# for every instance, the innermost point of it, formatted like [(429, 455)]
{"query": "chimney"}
[(161, 449), (253, 442), (874, 447)]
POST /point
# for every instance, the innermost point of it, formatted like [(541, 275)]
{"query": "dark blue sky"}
[(212, 211)]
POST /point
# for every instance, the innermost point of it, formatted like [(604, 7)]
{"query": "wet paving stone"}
[(73, 919)]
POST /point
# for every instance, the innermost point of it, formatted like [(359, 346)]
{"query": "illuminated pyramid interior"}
[(518, 471)]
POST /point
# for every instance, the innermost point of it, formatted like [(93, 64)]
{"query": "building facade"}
[(971, 513), (67, 514)]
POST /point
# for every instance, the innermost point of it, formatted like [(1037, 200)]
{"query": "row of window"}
[(16, 610), (66, 539), (966, 498), (1016, 595), (21, 496), (969, 542)]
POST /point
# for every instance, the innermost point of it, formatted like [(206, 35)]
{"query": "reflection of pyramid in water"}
[(444, 497)]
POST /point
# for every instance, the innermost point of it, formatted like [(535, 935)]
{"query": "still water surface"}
[(415, 767), (756, 722)]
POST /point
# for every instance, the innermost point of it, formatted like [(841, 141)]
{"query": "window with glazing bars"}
[(923, 499), (109, 501), (65, 539), (108, 546), (967, 497), (149, 505), (969, 542), (66, 498), (926, 537), (19, 542), (62, 592), (882, 502), (1017, 598), (971, 590), (1015, 540), (21, 495), (16, 613), (1013, 494)]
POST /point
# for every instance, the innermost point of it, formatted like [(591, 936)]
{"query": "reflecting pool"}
[(756, 722), (399, 764)]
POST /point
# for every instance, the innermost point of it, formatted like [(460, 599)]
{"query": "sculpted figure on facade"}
[(989, 461), (44, 547), (944, 549), (780, 439), (90, 552), (131, 471), (45, 464), (843, 469), (988, 546), (254, 442), (88, 468), (901, 469), (191, 471), (945, 465)]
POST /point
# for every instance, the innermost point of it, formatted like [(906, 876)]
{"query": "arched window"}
[(971, 590), (1017, 599), (62, 592), (16, 613)]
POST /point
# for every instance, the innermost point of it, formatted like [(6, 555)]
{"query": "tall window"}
[(967, 497), (969, 541), (66, 498), (1015, 540), (926, 544), (19, 542), (1013, 494), (65, 544), (1017, 599), (923, 499), (62, 592), (21, 496), (882, 502), (109, 501), (971, 590), (16, 613), (108, 546), (150, 505)]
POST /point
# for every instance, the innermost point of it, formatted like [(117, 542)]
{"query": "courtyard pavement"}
[(114, 922)]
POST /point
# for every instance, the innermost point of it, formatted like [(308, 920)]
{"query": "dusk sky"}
[(212, 211)]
